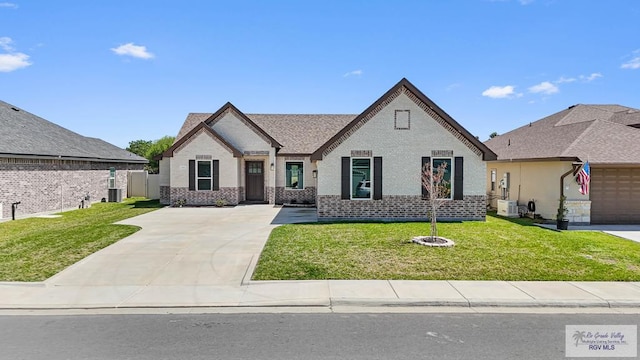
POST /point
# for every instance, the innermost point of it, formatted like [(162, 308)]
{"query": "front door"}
[(254, 177)]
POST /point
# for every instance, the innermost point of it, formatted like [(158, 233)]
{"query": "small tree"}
[(438, 191), (150, 149), (139, 147), (493, 134)]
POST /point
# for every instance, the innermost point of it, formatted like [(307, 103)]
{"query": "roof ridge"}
[(402, 87), (244, 118), (306, 114), (579, 137), (570, 111), (34, 135)]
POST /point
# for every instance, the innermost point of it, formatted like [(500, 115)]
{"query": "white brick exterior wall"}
[(165, 171), (309, 181), (203, 144), (402, 152), (234, 131)]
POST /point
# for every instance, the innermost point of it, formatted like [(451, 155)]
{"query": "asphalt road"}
[(293, 336)]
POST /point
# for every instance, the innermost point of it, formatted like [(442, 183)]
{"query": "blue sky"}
[(127, 70)]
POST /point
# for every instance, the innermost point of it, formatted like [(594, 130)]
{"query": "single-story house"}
[(46, 167), (364, 166), (539, 162)]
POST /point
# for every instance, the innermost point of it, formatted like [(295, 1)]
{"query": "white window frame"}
[(112, 178), (370, 180), (301, 162), (198, 178), (494, 180), (449, 169)]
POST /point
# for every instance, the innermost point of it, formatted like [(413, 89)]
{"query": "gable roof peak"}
[(228, 106), (419, 97)]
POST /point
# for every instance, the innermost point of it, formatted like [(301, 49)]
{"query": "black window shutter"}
[(425, 160), (377, 178), (458, 178), (192, 174), (346, 178), (216, 175)]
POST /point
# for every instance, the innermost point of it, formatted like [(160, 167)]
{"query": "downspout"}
[(574, 169)]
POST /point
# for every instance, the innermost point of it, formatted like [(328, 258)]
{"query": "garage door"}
[(615, 195)]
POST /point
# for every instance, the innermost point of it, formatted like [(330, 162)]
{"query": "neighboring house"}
[(46, 167), (365, 166), (542, 159)]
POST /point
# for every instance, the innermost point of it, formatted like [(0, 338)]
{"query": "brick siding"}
[(165, 195), (271, 195), (230, 195), (307, 195), (400, 208), (49, 185)]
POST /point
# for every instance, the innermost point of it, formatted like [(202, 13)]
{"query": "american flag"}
[(583, 178)]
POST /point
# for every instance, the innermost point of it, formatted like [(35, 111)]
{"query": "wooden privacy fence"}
[(143, 184)]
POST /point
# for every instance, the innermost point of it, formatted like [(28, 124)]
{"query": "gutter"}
[(77, 158)]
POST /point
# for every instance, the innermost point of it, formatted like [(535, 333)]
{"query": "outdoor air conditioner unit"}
[(508, 208)]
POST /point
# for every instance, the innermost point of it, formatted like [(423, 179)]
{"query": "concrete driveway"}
[(184, 246), (630, 232)]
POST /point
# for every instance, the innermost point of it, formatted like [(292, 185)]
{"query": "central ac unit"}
[(508, 208)]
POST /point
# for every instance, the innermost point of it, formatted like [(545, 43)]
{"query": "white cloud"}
[(453, 86), (565, 80), (634, 63), (8, 5), (11, 60), (5, 44), (130, 49), (544, 87), (589, 78), (500, 92), (353, 73)]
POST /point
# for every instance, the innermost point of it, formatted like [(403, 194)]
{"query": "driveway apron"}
[(181, 246)]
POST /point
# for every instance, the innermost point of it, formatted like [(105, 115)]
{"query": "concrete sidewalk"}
[(204, 258), (326, 293)]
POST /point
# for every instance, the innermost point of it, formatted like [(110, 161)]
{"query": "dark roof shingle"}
[(597, 133), (298, 133), (26, 134), (301, 133)]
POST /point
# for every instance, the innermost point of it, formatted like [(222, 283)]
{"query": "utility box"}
[(115, 195), (508, 208)]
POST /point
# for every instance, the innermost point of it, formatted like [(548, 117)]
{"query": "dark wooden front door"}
[(254, 177)]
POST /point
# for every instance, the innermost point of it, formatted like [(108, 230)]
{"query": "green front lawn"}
[(497, 249), (34, 249)]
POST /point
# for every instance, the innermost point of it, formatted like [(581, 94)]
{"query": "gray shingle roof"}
[(192, 120), (298, 133), (311, 134), (600, 134), (26, 134), (301, 133)]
